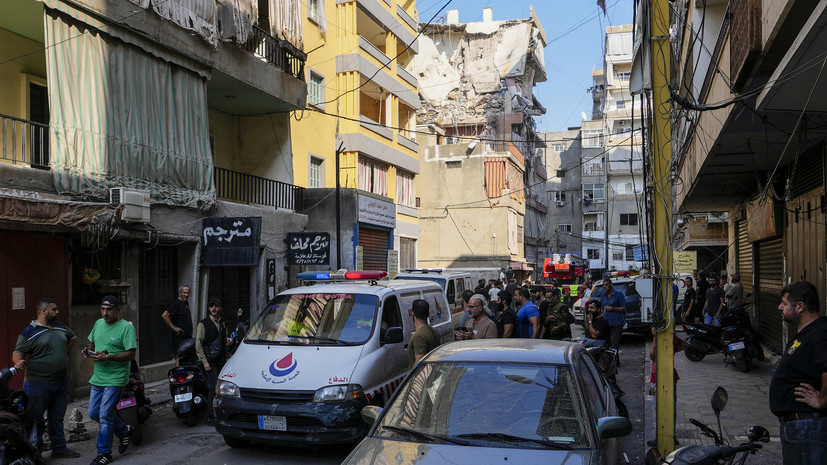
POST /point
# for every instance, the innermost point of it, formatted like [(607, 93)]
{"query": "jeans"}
[(711, 320), (52, 399), (804, 442), (102, 403)]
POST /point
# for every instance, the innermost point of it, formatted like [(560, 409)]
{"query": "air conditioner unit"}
[(134, 204), (561, 203)]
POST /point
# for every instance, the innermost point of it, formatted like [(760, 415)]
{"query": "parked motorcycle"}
[(741, 343), (703, 339), (721, 452), (134, 408), (238, 334), (16, 424), (188, 385)]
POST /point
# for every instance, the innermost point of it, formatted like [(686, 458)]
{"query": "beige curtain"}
[(194, 15), (286, 21)]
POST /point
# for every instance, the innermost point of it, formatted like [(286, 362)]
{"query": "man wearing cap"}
[(43, 350), (111, 347), (211, 343)]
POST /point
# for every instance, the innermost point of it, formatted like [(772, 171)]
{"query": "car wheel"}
[(693, 355), (236, 443)]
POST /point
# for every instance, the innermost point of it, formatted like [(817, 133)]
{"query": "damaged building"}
[(483, 159)]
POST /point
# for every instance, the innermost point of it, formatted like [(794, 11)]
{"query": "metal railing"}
[(24, 142), (277, 52), (249, 189)]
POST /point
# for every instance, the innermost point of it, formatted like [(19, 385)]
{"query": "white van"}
[(453, 284), (318, 354)]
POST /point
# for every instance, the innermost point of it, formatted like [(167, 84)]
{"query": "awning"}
[(33, 209)]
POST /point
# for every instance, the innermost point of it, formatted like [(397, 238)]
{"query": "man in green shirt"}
[(112, 347), (43, 350), (425, 338)]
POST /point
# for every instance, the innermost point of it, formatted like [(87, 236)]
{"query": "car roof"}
[(507, 350), (380, 287)]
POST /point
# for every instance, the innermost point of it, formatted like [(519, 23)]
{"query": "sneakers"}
[(102, 459), (65, 454), (123, 444)]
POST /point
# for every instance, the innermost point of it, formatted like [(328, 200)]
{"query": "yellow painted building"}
[(361, 97)]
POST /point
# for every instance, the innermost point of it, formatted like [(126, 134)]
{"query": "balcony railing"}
[(25, 142), (279, 53), (246, 188)]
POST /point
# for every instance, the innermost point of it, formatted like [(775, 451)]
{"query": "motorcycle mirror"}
[(652, 457), (758, 433), (719, 399)]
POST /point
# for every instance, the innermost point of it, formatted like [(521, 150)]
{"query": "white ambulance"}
[(318, 354)]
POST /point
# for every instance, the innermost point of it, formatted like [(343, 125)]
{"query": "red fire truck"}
[(569, 272)]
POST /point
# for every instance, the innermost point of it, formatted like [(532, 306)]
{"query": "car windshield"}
[(425, 277), (598, 290), (489, 405), (313, 319)]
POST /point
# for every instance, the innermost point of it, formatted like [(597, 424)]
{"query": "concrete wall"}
[(258, 145), (320, 207)]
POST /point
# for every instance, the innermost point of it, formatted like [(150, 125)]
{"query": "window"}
[(314, 178), (623, 76), (592, 138), (593, 254), (559, 147), (315, 89), (593, 192), (628, 219), (593, 222), (404, 188), (315, 13), (620, 104), (39, 113), (617, 255), (564, 228), (560, 196), (593, 166), (561, 173), (373, 176)]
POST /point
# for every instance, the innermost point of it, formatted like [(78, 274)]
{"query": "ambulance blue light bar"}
[(340, 275)]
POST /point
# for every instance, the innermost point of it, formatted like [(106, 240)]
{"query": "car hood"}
[(393, 452), (288, 367)]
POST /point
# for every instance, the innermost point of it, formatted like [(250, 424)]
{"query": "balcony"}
[(279, 53), (255, 190), (24, 142)]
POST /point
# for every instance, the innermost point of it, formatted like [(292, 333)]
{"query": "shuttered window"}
[(770, 280)]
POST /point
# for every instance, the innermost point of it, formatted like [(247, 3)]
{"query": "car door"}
[(632, 304), (394, 356), (597, 395)]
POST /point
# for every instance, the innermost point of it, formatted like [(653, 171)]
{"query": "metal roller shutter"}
[(744, 257), (770, 280), (374, 244)]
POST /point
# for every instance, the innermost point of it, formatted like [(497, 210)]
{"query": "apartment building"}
[(564, 190), (146, 145), (361, 108)]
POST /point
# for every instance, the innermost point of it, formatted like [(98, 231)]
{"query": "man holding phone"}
[(479, 326), (596, 326)]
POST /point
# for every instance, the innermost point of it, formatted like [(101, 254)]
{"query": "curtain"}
[(194, 15), (122, 117), (286, 21)]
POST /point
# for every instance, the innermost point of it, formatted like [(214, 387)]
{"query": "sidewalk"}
[(748, 402)]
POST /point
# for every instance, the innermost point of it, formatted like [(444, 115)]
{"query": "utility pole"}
[(662, 196), (338, 209)]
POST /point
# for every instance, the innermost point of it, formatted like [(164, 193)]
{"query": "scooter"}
[(706, 339), (16, 424), (721, 452), (741, 343), (188, 385), (134, 408)]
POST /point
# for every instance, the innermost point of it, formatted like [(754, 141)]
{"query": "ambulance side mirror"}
[(393, 336)]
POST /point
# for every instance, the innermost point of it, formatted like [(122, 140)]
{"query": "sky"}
[(575, 30)]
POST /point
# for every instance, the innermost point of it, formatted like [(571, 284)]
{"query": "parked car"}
[(497, 401), (319, 353), (635, 322)]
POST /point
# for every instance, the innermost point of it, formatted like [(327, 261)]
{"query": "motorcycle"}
[(706, 339), (134, 408), (719, 453), (188, 385), (16, 424), (606, 358), (740, 343)]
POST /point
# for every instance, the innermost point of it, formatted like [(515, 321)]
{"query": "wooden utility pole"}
[(661, 184)]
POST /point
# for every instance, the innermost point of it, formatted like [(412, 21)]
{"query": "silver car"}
[(497, 401)]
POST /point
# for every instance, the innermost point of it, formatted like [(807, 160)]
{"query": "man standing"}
[(43, 350), (554, 319), (507, 317), (735, 294), (614, 309), (179, 318), (480, 326), (596, 326), (689, 314), (502, 275), (714, 302), (798, 390), (425, 338), (528, 315), (113, 341), (211, 343)]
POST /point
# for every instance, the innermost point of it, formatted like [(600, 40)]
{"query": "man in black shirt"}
[(179, 318), (798, 390), (596, 326)]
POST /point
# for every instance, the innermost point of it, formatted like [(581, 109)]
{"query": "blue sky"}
[(575, 32)]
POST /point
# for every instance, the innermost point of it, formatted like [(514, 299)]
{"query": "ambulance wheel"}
[(236, 443)]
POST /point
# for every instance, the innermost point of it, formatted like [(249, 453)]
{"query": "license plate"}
[(126, 403), (183, 397), (736, 346), (273, 423)]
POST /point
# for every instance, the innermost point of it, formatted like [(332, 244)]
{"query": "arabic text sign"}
[(230, 241), (308, 248), (686, 261), (393, 263), (378, 212)]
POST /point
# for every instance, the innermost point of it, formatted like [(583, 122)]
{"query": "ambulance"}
[(318, 354)]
